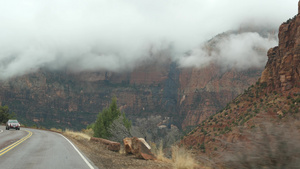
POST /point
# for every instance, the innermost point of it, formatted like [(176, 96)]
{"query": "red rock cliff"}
[(282, 69)]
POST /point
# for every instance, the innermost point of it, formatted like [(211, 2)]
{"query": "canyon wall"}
[(185, 95)]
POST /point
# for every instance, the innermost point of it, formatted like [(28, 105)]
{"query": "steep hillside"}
[(274, 99), (68, 99)]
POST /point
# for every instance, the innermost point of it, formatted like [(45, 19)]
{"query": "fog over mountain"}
[(241, 51), (118, 35)]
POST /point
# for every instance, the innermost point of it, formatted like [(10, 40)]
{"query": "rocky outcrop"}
[(139, 147), (282, 71)]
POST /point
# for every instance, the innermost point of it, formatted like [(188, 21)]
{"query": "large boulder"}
[(128, 145), (139, 147), (111, 145)]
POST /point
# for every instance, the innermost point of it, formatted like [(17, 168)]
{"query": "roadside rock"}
[(111, 145), (139, 147), (127, 145)]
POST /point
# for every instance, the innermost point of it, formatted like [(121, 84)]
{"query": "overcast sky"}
[(118, 35)]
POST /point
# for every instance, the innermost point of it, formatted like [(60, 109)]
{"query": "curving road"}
[(30, 148)]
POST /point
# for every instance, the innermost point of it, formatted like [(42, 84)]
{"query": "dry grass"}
[(77, 135), (89, 132), (56, 130), (182, 159), (158, 152)]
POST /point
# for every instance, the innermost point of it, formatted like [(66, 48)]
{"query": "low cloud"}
[(119, 35), (241, 51)]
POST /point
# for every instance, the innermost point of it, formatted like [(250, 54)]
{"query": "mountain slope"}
[(274, 99)]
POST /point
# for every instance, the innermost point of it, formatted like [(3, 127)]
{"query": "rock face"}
[(209, 90), (282, 70), (70, 100)]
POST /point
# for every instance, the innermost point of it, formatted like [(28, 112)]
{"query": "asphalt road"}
[(30, 149)]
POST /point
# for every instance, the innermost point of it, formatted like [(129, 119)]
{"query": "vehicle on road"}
[(12, 124)]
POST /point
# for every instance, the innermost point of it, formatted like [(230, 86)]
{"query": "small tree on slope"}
[(106, 118)]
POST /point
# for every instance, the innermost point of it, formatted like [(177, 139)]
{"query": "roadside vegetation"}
[(109, 120), (106, 159), (77, 135), (113, 124), (5, 114), (180, 157)]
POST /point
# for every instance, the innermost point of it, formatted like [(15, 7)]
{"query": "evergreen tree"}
[(126, 122), (99, 128), (4, 114), (106, 118)]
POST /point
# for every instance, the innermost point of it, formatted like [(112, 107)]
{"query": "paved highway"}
[(30, 149)]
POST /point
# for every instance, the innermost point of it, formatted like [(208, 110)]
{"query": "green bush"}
[(5, 114), (106, 118), (202, 147), (90, 126)]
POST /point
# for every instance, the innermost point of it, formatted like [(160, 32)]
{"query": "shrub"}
[(147, 127), (263, 85), (228, 128), (5, 114), (202, 147), (297, 100), (106, 118), (182, 159), (158, 152)]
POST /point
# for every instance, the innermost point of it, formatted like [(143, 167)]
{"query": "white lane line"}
[(1, 131), (84, 159)]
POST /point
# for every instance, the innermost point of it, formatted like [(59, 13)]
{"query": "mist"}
[(241, 51), (116, 35)]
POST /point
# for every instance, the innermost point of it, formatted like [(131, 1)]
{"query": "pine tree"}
[(99, 128), (4, 114), (106, 118), (126, 122)]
